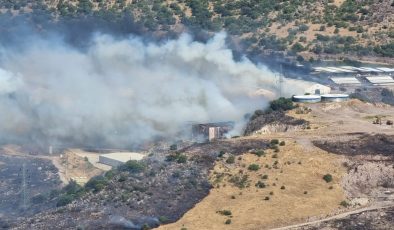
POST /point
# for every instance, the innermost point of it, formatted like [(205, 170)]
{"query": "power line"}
[(24, 187)]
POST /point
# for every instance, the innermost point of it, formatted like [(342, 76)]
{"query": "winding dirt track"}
[(339, 216)]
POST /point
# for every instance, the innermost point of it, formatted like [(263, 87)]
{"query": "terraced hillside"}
[(306, 29)]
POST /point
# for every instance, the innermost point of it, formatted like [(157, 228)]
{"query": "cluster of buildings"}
[(351, 75)]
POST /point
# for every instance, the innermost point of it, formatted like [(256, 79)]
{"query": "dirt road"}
[(339, 216)]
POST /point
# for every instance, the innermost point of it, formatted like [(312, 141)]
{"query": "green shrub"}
[(274, 141), (228, 221), (253, 167), (177, 157), (238, 181), (303, 27), (282, 104), (259, 153), (230, 160), (283, 187), (221, 153), (282, 143), (173, 147), (64, 199), (96, 183), (110, 174), (225, 212), (164, 219), (38, 199), (132, 166), (122, 178), (260, 184), (265, 177), (182, 159), (344, 204), (327, 178)]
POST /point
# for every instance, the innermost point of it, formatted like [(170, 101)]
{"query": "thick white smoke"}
[(122, 92)]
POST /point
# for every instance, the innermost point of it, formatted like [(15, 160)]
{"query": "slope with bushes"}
[(303, 28)]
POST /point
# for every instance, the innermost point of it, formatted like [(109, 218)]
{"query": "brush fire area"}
[(268, 189), (325, 169)]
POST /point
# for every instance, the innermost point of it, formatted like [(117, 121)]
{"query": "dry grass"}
[(291, 205), (78, 168)]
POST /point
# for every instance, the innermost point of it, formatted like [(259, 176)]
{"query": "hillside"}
[(308, 30), (340, 164)]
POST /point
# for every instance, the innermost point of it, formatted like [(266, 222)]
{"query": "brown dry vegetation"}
[(299, 170), (301, 166), (74, 167)]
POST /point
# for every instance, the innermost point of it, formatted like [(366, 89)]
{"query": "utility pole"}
[(66, 156), (280, 81), (24, 187)]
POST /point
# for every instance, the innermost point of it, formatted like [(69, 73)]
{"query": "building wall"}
[(109, 161), (214, 133), (318, 89), (334, 99)]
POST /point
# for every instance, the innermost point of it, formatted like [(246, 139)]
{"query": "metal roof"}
[(381, 80), (345, 80), (387, 70), (353, 69)]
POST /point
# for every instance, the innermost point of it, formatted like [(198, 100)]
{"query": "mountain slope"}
[(310, 29)]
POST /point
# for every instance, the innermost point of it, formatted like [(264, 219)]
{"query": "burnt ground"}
[(365, 144), (41, 177), (258, 121), (374, 95), (162, 192), (377, 219)]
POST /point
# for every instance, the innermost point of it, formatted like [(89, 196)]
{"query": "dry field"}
[(299, 170)]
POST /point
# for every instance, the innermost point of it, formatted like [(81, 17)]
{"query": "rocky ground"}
[(40, 178), (171, 185), (161, 192), (342, 130), (276, 121), (381, 219)]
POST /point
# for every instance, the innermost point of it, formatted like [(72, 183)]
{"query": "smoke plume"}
[(121, 92)]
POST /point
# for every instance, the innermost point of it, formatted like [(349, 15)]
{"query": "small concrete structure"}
[(211, 131), (307, 98), (334, 97), (116, 159)]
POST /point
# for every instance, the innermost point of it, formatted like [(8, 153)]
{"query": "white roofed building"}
[(317, 89)]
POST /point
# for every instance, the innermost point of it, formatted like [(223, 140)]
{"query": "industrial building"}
[(355, 76), (119, 158), (352, 70), (346, 80), (334, 97), (381, 80), (301, 87), (317, 89)]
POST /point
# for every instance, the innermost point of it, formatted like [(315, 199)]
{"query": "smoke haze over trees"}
[(121, 91)]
